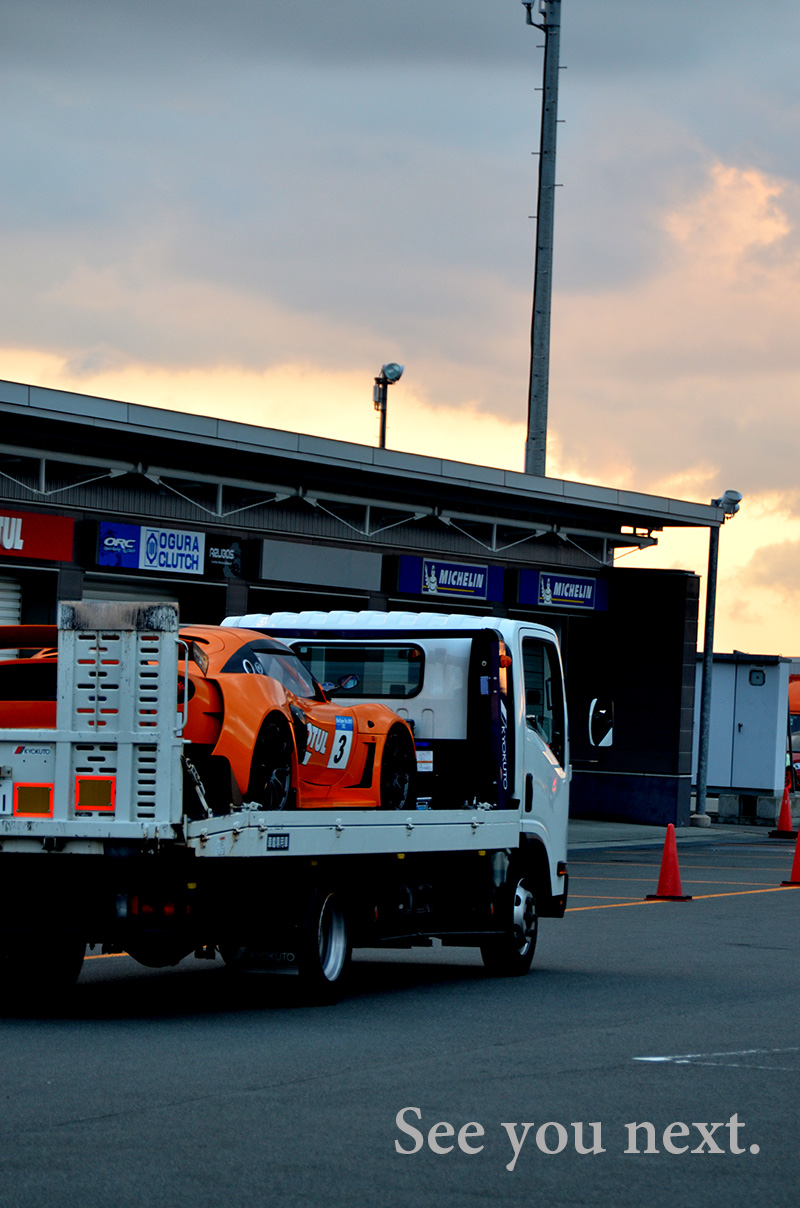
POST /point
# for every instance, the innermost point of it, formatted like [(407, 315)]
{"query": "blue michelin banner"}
[(141, 548), (462, 580), (549, 589)]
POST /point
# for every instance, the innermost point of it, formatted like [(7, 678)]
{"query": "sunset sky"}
[(245, 208)]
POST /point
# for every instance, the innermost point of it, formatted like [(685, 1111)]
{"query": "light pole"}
[(729, 505), (538, 387), (389, 374)]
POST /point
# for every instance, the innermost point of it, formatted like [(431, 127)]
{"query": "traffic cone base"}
[(669, 887), (785, 830), (794, 875)]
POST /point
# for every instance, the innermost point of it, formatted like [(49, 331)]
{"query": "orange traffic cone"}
[(795, 873), (785, 829), (669, 881)]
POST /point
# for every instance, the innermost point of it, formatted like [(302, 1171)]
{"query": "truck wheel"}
[(40, 971), (271, 776), (510, 955), (323, 954), (398, 771)]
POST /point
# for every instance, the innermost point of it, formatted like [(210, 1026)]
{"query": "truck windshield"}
[(382, 670)]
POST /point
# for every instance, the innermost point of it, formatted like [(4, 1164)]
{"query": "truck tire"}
[(323, 955), (40, 971), (398, 771), (271, 774), (510, 955)]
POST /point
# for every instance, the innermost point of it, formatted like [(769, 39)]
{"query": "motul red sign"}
[(31, 535)]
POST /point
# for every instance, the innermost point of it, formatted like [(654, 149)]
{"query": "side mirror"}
[(601, 722), (345, 683)]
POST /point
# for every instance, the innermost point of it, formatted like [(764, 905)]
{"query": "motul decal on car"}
[(317, 741), (342, 742)]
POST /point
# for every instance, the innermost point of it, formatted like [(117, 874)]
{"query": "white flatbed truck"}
[(97, 849)]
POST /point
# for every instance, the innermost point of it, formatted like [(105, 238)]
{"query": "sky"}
[(246, 208)]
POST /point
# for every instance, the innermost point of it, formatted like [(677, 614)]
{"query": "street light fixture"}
[(389, 374), (729, 505)]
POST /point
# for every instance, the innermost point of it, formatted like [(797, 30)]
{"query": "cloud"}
[(246, 208), (777, 567), (699, 364)]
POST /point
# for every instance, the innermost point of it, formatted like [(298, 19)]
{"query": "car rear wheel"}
[(271, 776), (398, 771)]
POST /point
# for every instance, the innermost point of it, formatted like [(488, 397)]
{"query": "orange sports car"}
[(259, 727)]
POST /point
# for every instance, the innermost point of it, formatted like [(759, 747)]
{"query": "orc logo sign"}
[(118, 545)]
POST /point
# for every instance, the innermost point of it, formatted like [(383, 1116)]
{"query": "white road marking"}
[(726, 1059)]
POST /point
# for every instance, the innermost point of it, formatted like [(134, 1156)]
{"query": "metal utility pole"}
[(729, 505), (536, 443)]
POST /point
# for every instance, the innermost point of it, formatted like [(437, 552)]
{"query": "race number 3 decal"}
[(342, 742)]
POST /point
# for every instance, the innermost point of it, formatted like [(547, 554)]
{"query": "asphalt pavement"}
[(649, 1060)]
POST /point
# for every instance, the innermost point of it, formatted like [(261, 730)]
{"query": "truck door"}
[(545, 741), (490, 737)]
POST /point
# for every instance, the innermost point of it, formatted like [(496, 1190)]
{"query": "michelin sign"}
[(454, 579), (142, 548), (551, 589)]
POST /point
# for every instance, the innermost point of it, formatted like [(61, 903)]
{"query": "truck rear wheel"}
[(324, 951), (398, 768), (510, 955), (40, 970)]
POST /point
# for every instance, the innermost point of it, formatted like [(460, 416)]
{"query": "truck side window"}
[(544, 701), (380, 669)]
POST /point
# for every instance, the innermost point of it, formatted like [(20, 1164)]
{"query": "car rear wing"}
[(110, 768)]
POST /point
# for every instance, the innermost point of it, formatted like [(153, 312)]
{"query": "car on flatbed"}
[(259, 728)]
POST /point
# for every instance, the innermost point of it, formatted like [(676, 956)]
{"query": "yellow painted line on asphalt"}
[(780, 856), (658, 901), (741, 892), (594, 896), (103, 956), (738, 893), (693, 880)]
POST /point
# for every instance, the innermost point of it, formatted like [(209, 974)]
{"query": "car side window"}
[(258, 658), (544, 698)]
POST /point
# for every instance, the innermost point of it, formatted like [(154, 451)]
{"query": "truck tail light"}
[(33, 800), (95, 793)]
